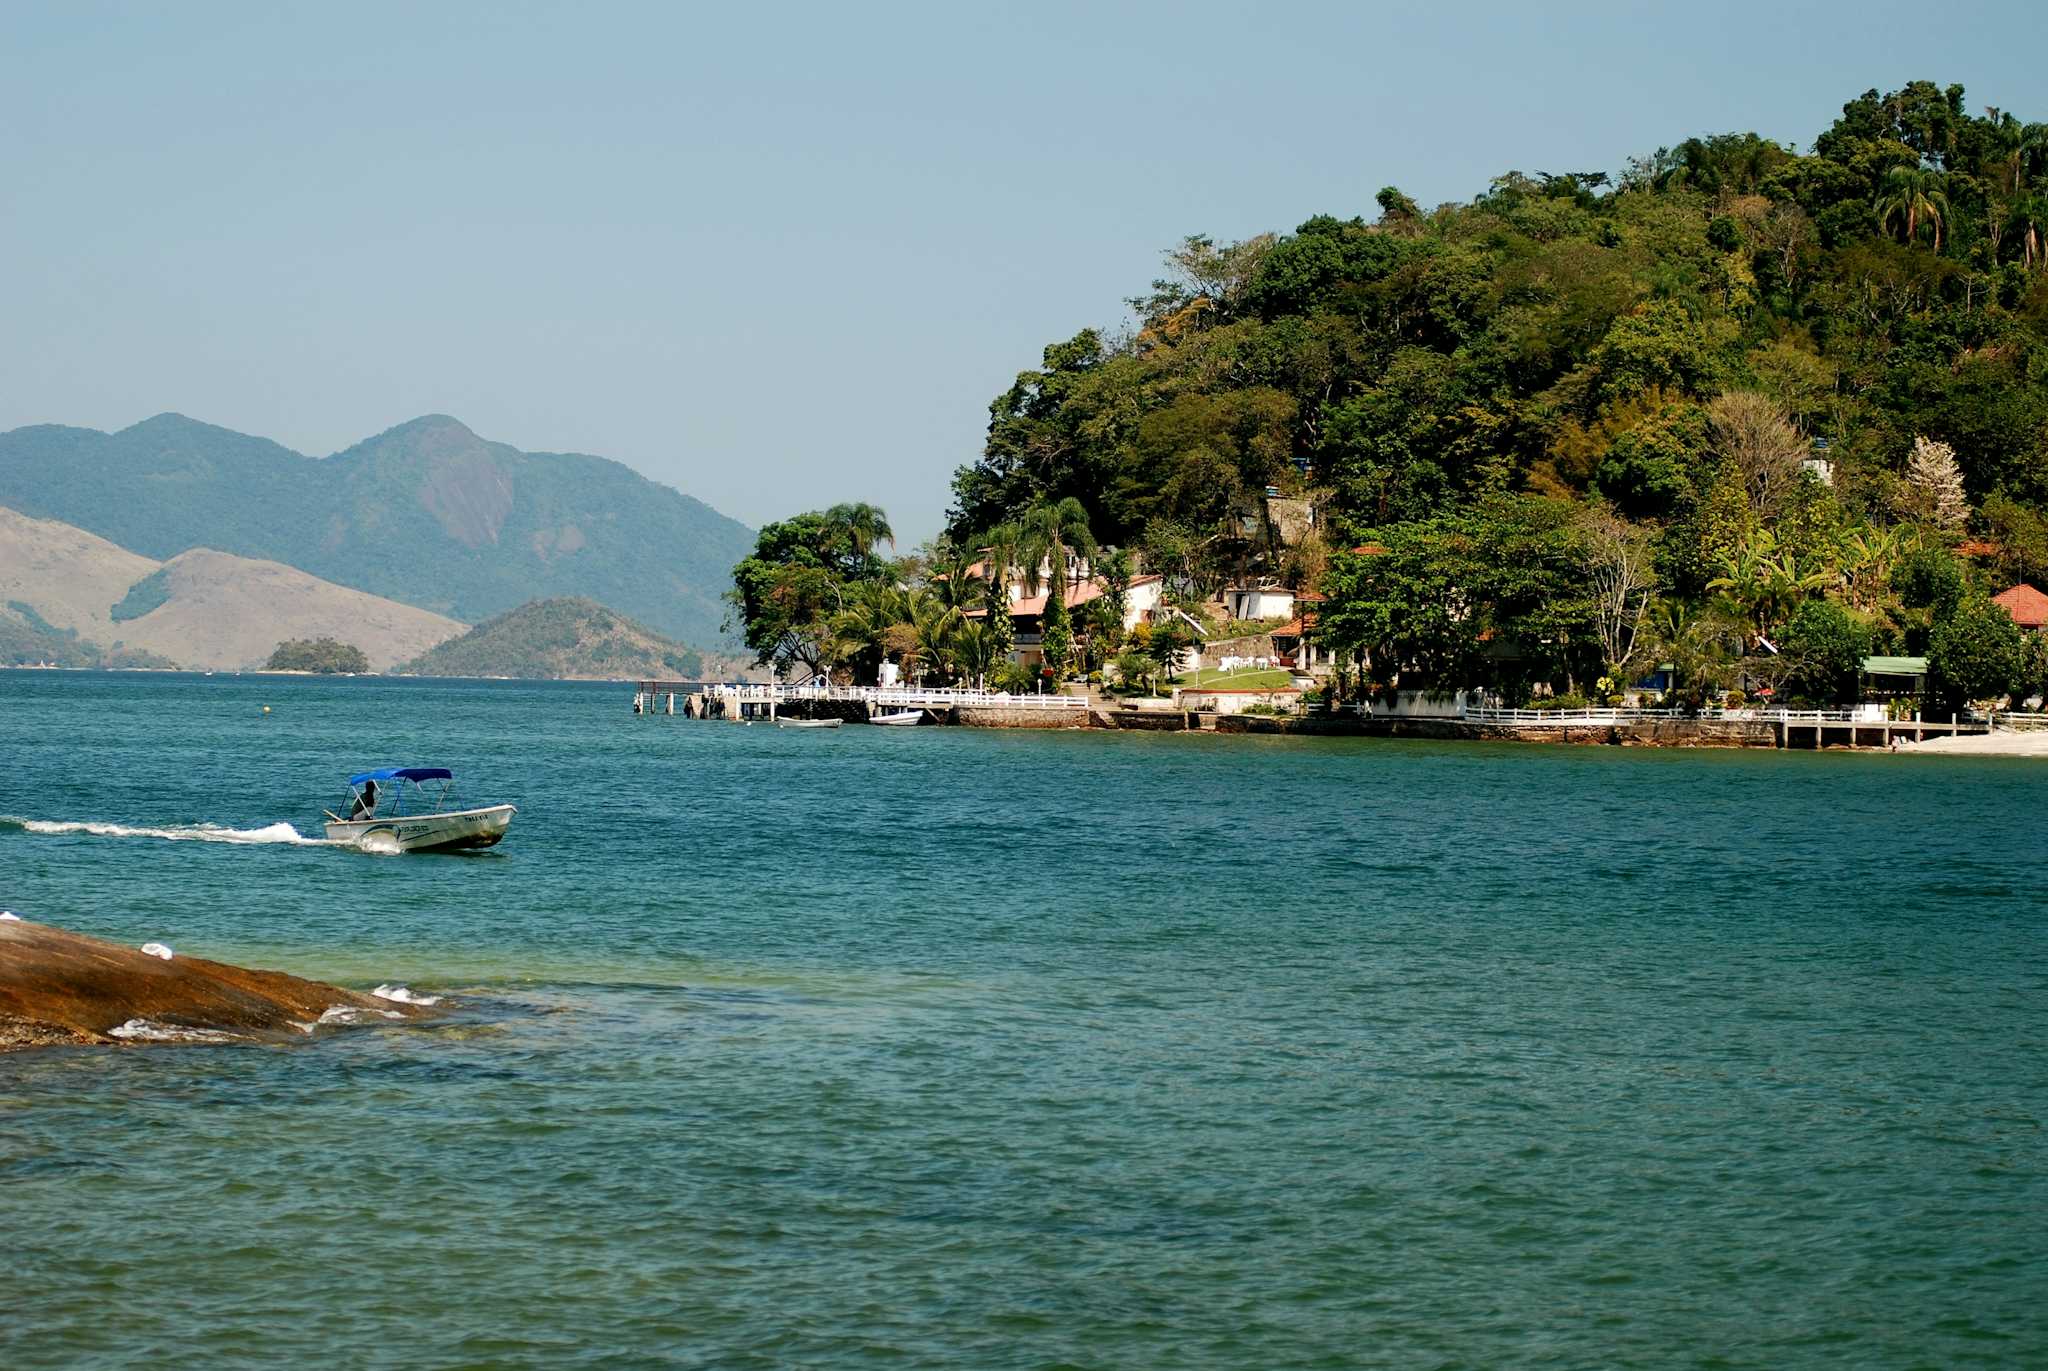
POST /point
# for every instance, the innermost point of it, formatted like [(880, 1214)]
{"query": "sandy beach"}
[(1986, 744)]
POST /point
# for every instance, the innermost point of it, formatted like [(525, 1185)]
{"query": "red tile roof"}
[(2028, 606), (1076, 596)]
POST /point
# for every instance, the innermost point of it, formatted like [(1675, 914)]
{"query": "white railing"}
[(1575, 718), (908, 697), (1584, 718)]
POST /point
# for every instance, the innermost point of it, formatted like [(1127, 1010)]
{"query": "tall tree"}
[(1933, 489), (1913, 198), (1047, 534)]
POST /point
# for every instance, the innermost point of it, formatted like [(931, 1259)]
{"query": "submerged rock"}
[(58, 987)]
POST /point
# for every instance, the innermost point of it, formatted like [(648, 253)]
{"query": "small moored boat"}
[(392, 809), (807, 723), (904, 719)]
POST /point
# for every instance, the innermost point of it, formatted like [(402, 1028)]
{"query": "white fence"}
[(902, 697), (1565, 718), (1599, 718)]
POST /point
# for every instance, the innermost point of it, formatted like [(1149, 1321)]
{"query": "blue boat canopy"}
[(404, 773)]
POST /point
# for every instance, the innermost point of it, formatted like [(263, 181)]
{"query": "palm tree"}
[(864, 525), (2025, 216), (956, 582), (2014, 144), (863, 634), (1047, 533), (932, 625), (1000, 549), (1702, 646), (975, 650), (1913, 196), (1866, 558), (1743, 581)]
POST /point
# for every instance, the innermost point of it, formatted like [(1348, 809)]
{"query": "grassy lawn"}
[(1244, 678)]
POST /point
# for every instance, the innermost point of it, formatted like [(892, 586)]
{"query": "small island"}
[(320, 656)]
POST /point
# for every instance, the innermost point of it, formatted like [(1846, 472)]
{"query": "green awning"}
[(1894, 666)]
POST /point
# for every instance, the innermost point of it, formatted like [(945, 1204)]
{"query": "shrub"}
[(1569, 700)]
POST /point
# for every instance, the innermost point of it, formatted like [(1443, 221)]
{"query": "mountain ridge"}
[(203, 608), (426, 512)]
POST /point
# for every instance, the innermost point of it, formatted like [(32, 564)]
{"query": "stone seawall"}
[(1142, 720), (996, 716)]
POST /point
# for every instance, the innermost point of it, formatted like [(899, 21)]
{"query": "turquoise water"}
[(941, 1047)]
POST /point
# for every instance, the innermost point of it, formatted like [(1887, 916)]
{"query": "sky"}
[(781, 256)]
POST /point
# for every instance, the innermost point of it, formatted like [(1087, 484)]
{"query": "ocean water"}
[(949, 1048)]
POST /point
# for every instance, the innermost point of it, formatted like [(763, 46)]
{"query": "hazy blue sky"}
[(780, 256)]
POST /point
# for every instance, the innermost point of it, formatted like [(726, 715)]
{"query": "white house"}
[(1258, 602)]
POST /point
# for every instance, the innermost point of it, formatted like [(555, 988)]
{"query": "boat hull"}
[(461, 830)]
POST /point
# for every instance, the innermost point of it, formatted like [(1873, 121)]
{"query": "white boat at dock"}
[(807, 723), (904, 719), (378, 817)]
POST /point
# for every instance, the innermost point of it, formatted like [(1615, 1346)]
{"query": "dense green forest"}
[(1742, 408), (322, 656)]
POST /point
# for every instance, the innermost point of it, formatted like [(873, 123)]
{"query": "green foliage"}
[(1975, 653), (1930, 578), (151, 592), (1559, 334), (803, 573), (323, 656), (1825, 645), (1497, 594)]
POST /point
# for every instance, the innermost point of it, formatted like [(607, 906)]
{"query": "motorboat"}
[(391, 809), (903, 719), (807, 723)]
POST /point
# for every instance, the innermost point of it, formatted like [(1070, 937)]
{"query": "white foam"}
[(143, 1031), (379, 843), (157, 950), (400, 995), (201, 833), (348, 1013), (9, 916)]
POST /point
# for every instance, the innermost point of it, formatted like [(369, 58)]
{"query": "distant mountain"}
[(200, 609), (564, 639), (427, 513)]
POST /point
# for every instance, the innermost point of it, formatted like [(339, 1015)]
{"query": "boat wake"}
[(278, 833)]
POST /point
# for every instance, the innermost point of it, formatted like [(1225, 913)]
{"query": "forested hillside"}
[(427, 513), (563, 639), (1733, 393)]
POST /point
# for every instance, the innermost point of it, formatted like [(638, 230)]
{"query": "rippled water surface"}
[(939, 1047)]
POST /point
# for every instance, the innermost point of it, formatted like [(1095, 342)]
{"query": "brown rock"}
[(58, 987)]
